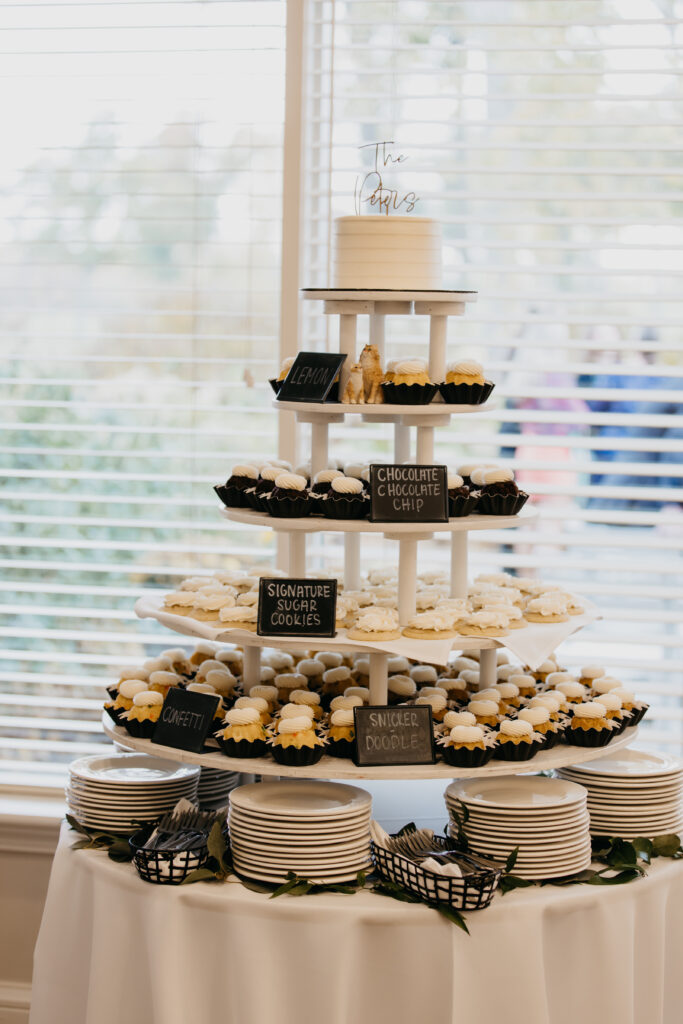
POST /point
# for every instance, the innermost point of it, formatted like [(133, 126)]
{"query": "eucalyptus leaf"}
[(644, 849), (300, 889), (216, 842), (386, 888), (512, 860), (76, 825), (360, 879), (666, 846), (81, 844), (200, 875), (120, 851), (263, 887), (453, 915), (290, 882), (621, 878), (510, 882)]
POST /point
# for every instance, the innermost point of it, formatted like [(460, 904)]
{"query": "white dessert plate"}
[(632, 763), (312, 826), (305, 799), (261, 875), (131, 769), (327, 842), (667, 784), (295, 862), (525, 792), (126, 801)]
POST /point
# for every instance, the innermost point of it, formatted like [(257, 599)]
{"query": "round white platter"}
[(318, 524), (390, 294), (338, 768), (381, 410)]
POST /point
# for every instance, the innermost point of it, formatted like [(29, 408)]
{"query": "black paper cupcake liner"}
[(551, 739), (140, 730), (459, 505), (464, 758), (356, 507), (466, 394), (290, 508), (113, 691), (638, 714), (114, 713), (501, 504), (516, 751), (342, 748), (232, 497), (298, 757), (408, 394), (589, 737), (241, 748), (257, 500)]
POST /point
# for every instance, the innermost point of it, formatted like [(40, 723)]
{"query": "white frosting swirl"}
[(483, 708), (163, 679), (292, 725), (467, 734), (436, 701), (535, 716), (553, 679), (454, 480), (377, 620), (133, 673), (488, 618), (466, 367), (592, 672), (337, 675), (606, 683), (242, 716), (291, 482), (402, 686), (571, 689), (271, 473), (347, 485), (410, 367), (326, 476), (453, 718), (257, 703), (344, 703), (130, 687), (433, 620), (267, 693), (399, 665), (548, 604), (239, 613), (591, 709), (290, 681), (202, 688), (358, 691), (147, 699), (305, 697), (515, 727), (222, 682), (342, 716), (482, 477), (297, 711), (245, 470), (522, 681), (611, 701), (310, 667), (553, 701), (507, 691)]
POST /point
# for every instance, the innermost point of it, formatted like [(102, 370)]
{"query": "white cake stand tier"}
[(338, 768)]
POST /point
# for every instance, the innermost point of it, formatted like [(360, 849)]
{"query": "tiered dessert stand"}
[(348, 305)]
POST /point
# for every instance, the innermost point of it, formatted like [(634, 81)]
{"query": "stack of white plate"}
[(319, 830), (114, 791), (546, 819), (215, 787), (632, 793)]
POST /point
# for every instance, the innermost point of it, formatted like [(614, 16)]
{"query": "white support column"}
[(348, 324), (437, 347), (488, 662), (459, 564), (379, 690), (297, 553), (376, 336), (425, 446), (319, 445), (251, 675), (402, 451), (352, 561), (407, 578)]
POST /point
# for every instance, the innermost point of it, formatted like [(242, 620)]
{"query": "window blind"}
[(140, 190), (545, 138)]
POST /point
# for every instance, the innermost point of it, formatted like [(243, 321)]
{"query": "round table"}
[(115, 950)]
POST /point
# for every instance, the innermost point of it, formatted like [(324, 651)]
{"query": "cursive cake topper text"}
[(371, 189)]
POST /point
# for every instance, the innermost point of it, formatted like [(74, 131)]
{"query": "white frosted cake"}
[(387, 252)]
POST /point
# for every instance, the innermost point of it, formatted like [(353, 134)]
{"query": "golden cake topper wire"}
[(370, 188)]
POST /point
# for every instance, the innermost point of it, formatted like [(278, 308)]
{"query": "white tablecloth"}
[(115, 950)]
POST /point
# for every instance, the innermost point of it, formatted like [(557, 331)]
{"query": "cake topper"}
[(371, 189)]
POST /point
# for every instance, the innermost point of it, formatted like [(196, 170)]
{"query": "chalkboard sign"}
[(296, 607), (310, 377), (394, 735), (407, 494), (185, 719)]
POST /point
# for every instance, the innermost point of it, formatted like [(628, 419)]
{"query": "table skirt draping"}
[(115, 950)]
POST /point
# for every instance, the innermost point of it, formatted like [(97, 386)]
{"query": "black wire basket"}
[(473, 891), (164, 867)]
